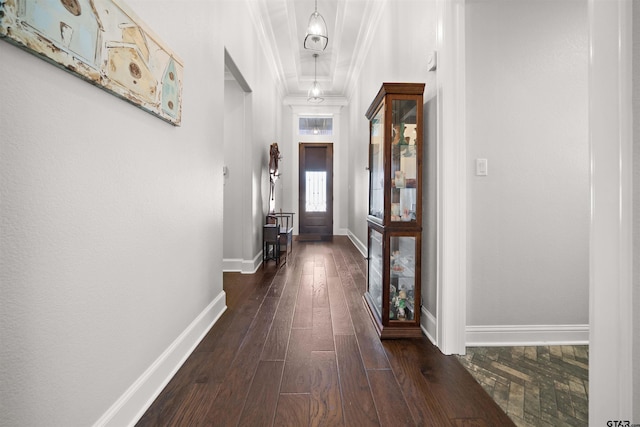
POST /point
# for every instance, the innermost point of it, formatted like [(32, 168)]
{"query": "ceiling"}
[(282, 25)]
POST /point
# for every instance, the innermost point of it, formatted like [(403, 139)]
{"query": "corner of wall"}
[(129, 407)]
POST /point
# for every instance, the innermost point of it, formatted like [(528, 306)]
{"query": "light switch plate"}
[(482, 167)]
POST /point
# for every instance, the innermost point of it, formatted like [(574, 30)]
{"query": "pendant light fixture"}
[(317, 37), (315, 93)]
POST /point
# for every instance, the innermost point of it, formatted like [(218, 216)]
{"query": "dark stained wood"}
[(370, 346), (340, 317), (357, 401), (258, 365), (293, 410), (227, 407), (322, 331), (303, 316), (392, 408), (297, 368), (263, 395), (194, 407), (278, 339), (410, 374), (330, 265), (326, 404)]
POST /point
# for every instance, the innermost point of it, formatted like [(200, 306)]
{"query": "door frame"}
[(330, 180)]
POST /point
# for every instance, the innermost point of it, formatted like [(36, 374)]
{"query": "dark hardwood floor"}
[(297, 348)]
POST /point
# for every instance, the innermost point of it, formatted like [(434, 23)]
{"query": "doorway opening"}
[(237, 177), (315, 193)]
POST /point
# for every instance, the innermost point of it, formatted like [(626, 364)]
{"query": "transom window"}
[(315, 126)]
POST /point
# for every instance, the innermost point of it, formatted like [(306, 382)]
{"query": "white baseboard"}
[(244, 266), (130, 407), (251, 266), (521, 335), (428, 325), (232, 265), (358, 244)]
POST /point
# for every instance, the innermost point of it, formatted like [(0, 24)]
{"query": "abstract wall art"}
[(103, 42)]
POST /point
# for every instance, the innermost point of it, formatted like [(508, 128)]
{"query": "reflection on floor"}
[(535, 386)]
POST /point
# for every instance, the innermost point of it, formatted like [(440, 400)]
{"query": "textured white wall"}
[(111, 219), (527, 114)]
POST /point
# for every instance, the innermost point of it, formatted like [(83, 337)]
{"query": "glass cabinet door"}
[(375, 270), (402, 304), (376, 166), (404, 160)]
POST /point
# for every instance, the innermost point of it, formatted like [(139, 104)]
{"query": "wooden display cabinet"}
[(395, 210)]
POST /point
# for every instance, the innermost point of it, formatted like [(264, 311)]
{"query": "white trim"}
[(341, 232), (519, 335), (130, 407), (251, 266), (374, 10), (451, 237), (244, 266), (362, 248), (610, 263), (232, 265), (429, 324), (258, 12)]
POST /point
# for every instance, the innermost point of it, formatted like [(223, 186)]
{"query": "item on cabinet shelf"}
[(395, 209), (395, 132), (402, 304), (403, 140), (397, 268), (408, 151), (399, 181), (406, 284)]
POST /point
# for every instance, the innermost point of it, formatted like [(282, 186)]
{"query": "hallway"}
[(296, 347)]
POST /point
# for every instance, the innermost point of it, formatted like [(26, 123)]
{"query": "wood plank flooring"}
[(297, 348)]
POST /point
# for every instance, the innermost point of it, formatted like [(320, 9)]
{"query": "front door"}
[(316, 191)]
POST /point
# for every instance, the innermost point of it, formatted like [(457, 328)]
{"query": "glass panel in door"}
[(375, 271), (404, 160), (376, 166), (402, 285)]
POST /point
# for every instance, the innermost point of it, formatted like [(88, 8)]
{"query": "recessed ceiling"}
[(283, 24)]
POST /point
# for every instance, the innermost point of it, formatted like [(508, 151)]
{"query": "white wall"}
[(111, 221), (405, 34), (526, 69)]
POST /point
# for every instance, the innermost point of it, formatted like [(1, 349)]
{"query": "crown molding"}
[(257, 11), (329, 101)]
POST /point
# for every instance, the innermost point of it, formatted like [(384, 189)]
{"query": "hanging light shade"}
[(317, 37), (315, 93)]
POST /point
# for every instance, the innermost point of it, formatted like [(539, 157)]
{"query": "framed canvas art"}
[(103, 42)]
